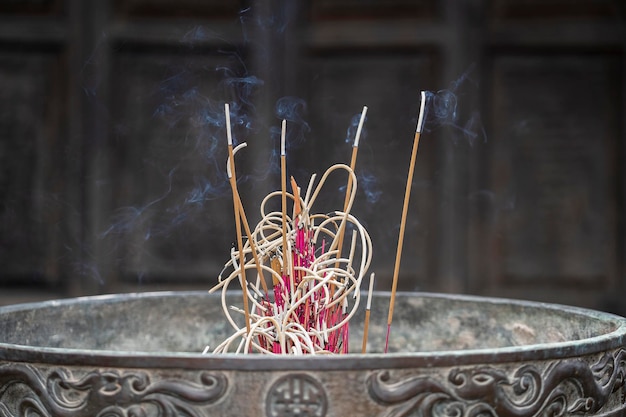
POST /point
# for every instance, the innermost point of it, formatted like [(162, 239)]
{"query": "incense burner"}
[(449, 355)]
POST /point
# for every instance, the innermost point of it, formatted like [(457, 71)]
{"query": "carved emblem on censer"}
[(296, 395)]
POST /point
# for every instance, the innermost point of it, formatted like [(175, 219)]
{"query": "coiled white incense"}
[(314, 289)]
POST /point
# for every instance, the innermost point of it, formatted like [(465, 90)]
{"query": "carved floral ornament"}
[(567, 387), (25, 391)]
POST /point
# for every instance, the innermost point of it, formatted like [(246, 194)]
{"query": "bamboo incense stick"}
[(246, 227), (283, 190), (368, 307), (237, 203), (355, 150), (405, 209), (244, 220)]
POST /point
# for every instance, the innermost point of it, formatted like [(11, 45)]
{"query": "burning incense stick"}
[(355, 149), (368, 307), (237, 203), (405, 209), (244, 219)]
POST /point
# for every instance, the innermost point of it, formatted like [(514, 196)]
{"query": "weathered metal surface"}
[(453, 356)]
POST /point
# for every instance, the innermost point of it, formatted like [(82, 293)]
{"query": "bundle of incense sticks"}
[(306, 286)]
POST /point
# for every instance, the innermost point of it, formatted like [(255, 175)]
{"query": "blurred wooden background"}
[(112, 152)]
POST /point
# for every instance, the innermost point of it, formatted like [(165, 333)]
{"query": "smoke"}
[(368, 186), (131, 218), (187, 152), (293, 110), (191, 109), (206, 189), (274, 22), (90, 74), (443, 110), (202, 34), (243, 88), (352, 128)]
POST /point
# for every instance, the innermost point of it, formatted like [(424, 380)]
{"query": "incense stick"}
[(246, 226), (355, 148), (405, 209), (283, 189), (244, 219), (237, 203), (368, 307)]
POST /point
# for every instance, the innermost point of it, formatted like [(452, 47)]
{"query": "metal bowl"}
[(450, 355)]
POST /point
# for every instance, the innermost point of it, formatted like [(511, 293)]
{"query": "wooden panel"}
[(31, 6), (555, 124), (31, 165), (172, 215), (555, 8), (352, 9), (182, 8), (389, 84)]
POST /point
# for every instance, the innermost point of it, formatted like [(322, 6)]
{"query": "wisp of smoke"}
[(443, 110), (352, 128), (291, 109), (275, 22)]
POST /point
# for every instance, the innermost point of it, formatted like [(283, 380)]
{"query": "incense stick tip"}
[(420, 120), (229, 134), (370, 291), (283, 135), (360, 127)]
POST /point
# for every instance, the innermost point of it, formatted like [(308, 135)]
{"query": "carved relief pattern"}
[(108, 393), (296, 395), (567, 387)]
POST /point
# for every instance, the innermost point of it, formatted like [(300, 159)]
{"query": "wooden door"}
[(113, 160)]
